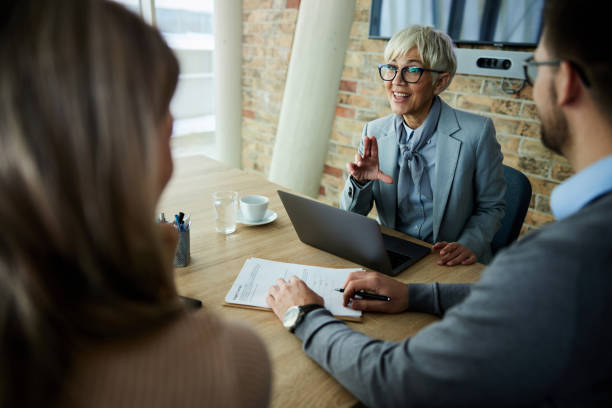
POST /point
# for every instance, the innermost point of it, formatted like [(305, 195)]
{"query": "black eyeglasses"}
[(409, 74), (530, 67)]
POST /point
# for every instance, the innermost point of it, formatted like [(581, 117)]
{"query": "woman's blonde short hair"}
[(435, 48)]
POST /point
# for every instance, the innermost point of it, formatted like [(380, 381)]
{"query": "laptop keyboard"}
[(397, 258)]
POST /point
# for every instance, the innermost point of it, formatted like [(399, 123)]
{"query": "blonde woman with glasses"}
[(89, 313), (434, 172)]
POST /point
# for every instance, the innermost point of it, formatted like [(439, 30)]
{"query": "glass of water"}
[(226, 206)]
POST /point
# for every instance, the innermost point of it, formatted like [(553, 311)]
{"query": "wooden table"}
[(216, 260)]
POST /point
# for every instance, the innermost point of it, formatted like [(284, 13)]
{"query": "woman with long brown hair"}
[(89, 314)]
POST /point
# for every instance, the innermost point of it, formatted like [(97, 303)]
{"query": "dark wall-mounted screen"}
[(497, 22)]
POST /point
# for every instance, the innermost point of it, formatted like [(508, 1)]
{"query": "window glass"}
[(184, 16), (188, 27)]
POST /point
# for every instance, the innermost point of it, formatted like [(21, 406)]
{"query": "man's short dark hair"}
[(576, 32)]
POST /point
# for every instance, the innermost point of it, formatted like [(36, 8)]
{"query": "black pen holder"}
[(182, 254)]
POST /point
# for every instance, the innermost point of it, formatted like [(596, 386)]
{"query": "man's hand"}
[(367, 167), (454, 253), (284, 295), (374, 282)]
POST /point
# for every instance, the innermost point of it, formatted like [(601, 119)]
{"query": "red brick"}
[(511, 160), (345, 112), (463, 83), (293, 4), (332, 171), (561, 172), (538, 219), (542, 186), (248, 113), (321, 190), (348, 86)]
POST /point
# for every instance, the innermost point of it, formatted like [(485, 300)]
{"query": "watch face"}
[(291, 316)]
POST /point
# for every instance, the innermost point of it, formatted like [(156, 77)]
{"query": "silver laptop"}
[(350, 236)]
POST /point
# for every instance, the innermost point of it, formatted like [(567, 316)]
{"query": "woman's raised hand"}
[(366, 167)]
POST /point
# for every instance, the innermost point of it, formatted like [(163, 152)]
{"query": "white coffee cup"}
[(253, 207)]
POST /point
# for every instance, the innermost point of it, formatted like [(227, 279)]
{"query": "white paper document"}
[(257, 275)]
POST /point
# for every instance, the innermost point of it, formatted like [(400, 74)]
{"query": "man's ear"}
[(568, 84), (441, 82)]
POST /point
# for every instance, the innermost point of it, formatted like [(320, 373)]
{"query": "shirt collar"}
[(582, 188), (427, 127)]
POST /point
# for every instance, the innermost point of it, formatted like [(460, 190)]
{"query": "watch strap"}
[(309, 308), (304, 310)]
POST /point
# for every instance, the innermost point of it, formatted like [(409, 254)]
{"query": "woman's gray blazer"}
[(468, 202)]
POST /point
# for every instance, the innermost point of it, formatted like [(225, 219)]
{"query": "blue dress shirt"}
[(582, 188)]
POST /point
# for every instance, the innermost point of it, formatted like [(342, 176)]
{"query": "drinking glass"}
[(226, 206)]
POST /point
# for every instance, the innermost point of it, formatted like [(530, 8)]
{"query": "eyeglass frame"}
[(531, 62), (420, 69)]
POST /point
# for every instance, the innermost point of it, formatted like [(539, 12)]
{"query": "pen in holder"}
[(183, 226), (181, 257)]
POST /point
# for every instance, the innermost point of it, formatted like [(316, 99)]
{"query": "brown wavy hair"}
[(84, 86)]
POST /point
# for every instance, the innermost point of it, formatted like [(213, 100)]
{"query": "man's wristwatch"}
[(295, 314)]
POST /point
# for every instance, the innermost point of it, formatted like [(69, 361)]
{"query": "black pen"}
[(365, 295)]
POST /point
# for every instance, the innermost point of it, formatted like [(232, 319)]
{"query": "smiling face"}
[(413, 100)]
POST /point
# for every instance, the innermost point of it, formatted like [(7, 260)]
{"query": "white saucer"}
[(268, 218)]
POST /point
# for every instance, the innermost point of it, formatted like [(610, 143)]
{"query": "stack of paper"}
[(250, 288)]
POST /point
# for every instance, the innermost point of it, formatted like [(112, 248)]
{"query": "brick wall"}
[(268, 31), (268, 28)]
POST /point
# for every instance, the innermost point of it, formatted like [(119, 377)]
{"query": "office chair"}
[(518, 196)]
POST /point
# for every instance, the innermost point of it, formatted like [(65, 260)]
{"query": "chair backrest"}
[(518, 196)]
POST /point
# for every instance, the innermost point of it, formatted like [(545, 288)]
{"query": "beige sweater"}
[(195, 362)]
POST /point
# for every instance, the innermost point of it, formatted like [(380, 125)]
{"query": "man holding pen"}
[(535, 329)]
